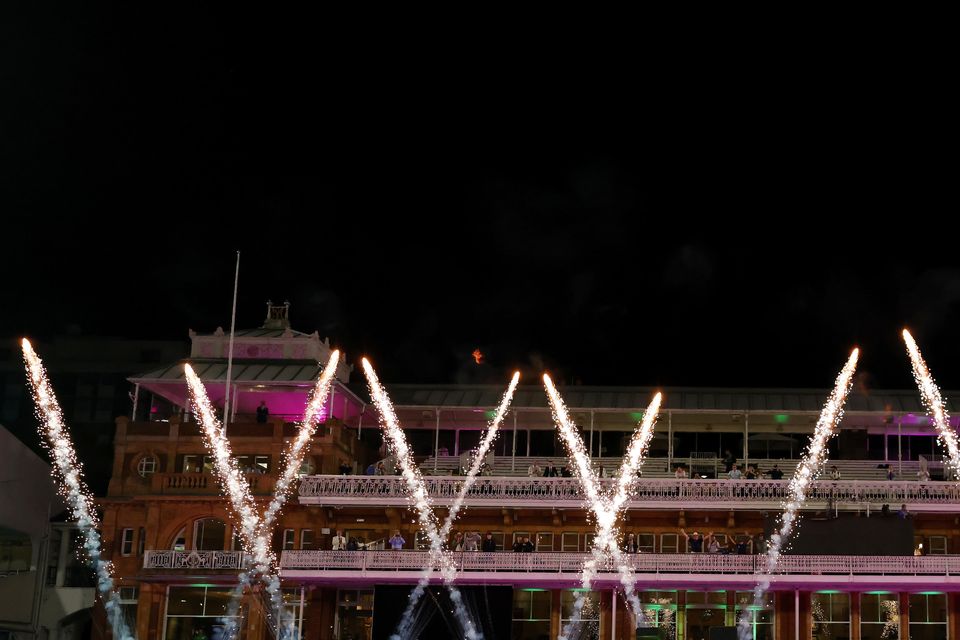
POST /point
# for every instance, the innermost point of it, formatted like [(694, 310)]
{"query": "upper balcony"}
[(653, 570), (656, 493)]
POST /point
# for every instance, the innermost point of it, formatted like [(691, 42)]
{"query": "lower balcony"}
[(686, 570), (194, 560)]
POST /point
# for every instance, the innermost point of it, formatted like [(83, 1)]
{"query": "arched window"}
[(209, 534)]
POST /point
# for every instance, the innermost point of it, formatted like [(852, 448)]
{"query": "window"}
[(531, 614), (141, 541), (180, 540), (253, 463), (937, 545), (589, 627), (879, 616), (588, 541), (289, 539), (306, 539), (761, 617), (209, 534), (15, 552), (196, 611), (570, 542), (659, 611), (544, 541), (421, 541), (292, 605), (307, 466), (78, 572), (126, 542), (355, 613), (669, 543), (53, 556), (645, 542), (831, 615), (146, 465), (197, 463), (928, 616), (128, 605)]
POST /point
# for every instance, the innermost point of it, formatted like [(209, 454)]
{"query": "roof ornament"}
[(278, 316)]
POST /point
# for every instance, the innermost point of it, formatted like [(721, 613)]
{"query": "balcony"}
[(204, 484), (653, 570), (194, 560), (648, 493)]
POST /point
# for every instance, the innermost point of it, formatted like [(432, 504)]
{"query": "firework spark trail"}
[(811, 462), (72, 485), (417, 494), (406, 620), (605, 509), (934, 402), (293, 457)]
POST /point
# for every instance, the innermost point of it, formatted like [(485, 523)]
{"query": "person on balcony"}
[(381, 470), (397, 541), (713, 544), (728, 460), (528, 546), (694, 541), (533, 471), (353, 545), (735, 473), (751, 472), (743, 544), (457, 544), (518, 545), (339, 542), (553, 471), (262, 412), (471, 541), (891, 475), (546, 471), (488, 545), (680, 473), (834, 473), (923, 475), (903, 514), (776, 473), (631, 545)]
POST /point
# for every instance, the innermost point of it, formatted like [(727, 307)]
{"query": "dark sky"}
[(722, 225)]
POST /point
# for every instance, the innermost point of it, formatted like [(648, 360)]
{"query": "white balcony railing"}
[(197, 560), (648, 493), (693, 563)]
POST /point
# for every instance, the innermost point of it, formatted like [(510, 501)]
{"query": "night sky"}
[(723, 227)]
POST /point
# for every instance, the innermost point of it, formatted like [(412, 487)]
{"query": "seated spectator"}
[(776, 473), (735, 473), (923, 475), (680, 473), (381, 470), (344, 468), (371, 469), (751, 472), (546, 472), (533, 471), (553, 472), (834, 473), (518, 545)]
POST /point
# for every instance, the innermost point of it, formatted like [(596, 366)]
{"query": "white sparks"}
[(809, 465), (72, 486), (937, 408)]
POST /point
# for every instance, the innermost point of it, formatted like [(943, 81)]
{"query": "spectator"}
[(923, 475), (751, 472), (735, 473), (743, 544), (353, 545), (457, 541), (533, 471), (680, 473), (919, 550), (488, 545), (834, 473), (891, 475), (546, 472), (518, 545), (553, 472), (397, 541), (728, 460), (262, 412), (903, 514), (565, 473), (371, 469), (694, 541), (381, 470), (775, 473), (885, 510), (713, 546), (760, 544), (471, 541), (339, 543), (631, 545), (344, 468), (528, 546)]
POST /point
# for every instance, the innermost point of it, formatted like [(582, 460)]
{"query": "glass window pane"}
[(218, 601), (540, 605), (918, 607), (936, 607), (185, 601)]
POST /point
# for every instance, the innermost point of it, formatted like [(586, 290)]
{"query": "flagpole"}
[(233, 324)]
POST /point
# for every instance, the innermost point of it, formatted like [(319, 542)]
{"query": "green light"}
[(490, 415), (636, 416), (203, 584), (930, 593), (878, 593), (534, 589), (828, 592), (781, 418)]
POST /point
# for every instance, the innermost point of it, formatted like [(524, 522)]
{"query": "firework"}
[(934, 403)]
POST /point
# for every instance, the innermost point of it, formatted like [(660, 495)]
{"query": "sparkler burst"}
[(72, 485), (606, 509), (420, 500), (811, 462), (934, 403)]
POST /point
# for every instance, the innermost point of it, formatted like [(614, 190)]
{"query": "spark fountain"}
[(72, 485), (406, 620), (605, 508), (254, 528), (934, 403), (810, 464), (420, 501)]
